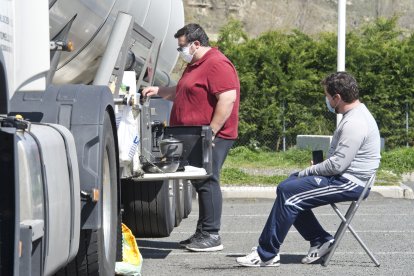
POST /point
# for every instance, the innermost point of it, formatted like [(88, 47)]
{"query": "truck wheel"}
[(179, 201), (97, 248), (149, 207), (119, 254), (188, 197), (107, 235)]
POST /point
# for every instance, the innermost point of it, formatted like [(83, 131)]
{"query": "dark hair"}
[(342, 83), (193, 32)]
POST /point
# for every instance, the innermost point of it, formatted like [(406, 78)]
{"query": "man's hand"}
[(167, 93), (213, 136), (150, 91)]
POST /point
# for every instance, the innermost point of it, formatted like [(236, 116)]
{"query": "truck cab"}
[(63, 69)]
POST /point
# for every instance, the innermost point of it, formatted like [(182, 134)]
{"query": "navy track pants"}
[(295, 199)]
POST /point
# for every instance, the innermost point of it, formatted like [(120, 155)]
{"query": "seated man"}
[(353, 157)]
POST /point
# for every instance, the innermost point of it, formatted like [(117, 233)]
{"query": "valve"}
[(60, 45), (16, 122)]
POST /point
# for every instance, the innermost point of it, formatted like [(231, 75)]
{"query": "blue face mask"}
[(330, 108)]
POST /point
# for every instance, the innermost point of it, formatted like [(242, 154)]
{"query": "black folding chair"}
[(345, 224)]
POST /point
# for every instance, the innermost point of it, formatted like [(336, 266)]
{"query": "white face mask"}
[(330, 108), (185, 54)]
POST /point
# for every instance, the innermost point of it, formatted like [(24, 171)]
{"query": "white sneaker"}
[(317, 252), (253, 259)]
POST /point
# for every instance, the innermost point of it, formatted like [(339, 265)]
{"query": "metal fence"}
[(286, 138)]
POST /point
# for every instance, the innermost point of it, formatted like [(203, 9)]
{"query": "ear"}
[(197, 43)]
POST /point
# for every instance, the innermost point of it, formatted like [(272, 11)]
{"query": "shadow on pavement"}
[(284, 259), (350, 263), (156, 249), (222, 268), (291, 259), (235, 255)]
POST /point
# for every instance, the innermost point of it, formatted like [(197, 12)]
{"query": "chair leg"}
[(343, 218), (338, 237), (367, 250), (345, 224)]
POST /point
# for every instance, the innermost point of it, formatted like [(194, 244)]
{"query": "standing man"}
[(353, 157), (208, 93)]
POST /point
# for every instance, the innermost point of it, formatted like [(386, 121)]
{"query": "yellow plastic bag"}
[(131, 257)]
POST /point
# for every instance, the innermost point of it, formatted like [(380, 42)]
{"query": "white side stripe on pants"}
[(316, 192), (294, 200), (327, 188)]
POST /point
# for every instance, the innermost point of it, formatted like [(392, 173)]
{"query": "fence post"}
[(284, 126), (406, 123)]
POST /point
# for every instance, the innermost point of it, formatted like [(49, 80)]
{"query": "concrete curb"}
[(401, 191)]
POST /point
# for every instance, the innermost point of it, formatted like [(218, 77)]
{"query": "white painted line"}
[(172, 253), (317, 214), (294, 231), (269, 192)]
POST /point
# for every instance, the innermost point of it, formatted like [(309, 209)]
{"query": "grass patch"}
[(398, 161), (387, 178), (236, 177), (247, 158), (246, 167)]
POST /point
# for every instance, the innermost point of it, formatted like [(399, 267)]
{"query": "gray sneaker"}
[(205, 243), (186, 242), (318, 251)]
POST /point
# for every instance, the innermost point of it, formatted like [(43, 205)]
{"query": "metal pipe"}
[(115, 43), (119, 101), (341, 35), (341, 42)]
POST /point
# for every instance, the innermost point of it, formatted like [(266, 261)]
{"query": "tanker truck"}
[(71, 72)]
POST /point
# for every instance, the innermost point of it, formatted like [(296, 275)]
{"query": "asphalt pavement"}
[(385, 224)]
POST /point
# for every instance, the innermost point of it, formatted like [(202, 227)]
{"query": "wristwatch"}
[(213, 132)]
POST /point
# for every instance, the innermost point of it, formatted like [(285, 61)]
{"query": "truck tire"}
[(97, 248), (188, 197), (179, 201), (149, 207), (107, 234), (119, 254)]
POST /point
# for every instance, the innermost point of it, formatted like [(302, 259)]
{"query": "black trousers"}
[(210, 200)]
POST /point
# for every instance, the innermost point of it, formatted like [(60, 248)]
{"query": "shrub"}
[(280, 76)]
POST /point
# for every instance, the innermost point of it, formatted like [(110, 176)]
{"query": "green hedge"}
[(280, 76)]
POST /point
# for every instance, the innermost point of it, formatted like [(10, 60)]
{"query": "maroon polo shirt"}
[(195, 99)]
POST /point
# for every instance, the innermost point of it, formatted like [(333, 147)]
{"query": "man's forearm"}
[(346, 150), (167, 93), (220, 117), (223, 110)]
